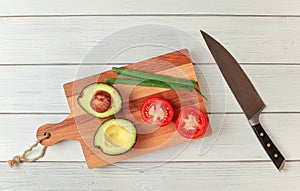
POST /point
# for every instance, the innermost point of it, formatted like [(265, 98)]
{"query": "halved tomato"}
[(157, 111), (191, 122)]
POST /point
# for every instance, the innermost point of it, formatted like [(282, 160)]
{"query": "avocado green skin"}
[(87, 94), (99, 136)]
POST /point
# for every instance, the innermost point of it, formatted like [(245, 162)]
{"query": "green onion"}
[(147, 82), (199, 92), (151, 76), (120, 75), (151, 83)]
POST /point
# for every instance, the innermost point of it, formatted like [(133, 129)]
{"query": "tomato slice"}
[(157, 111), (191, 122)]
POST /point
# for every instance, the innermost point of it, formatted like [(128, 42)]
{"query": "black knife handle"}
[(269, 146)]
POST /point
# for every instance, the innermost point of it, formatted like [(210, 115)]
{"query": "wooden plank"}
[(170, 176), (56, 40), (164, 7), (38, 89), (235, 141)]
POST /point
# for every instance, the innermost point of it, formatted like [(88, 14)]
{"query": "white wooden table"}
[(42, 44)]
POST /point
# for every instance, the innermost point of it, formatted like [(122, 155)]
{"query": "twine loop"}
[(16, 160)]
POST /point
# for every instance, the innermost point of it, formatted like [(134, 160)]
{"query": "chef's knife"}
[(246, 95)]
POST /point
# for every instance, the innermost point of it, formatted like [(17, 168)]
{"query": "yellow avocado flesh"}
[(117, 135)]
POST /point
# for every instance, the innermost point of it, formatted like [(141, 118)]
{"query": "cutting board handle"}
[(65, 130)]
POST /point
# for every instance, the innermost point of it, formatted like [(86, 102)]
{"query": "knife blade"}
[(246, 95)]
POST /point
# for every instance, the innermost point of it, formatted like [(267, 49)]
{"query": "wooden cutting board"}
[(81, 126)]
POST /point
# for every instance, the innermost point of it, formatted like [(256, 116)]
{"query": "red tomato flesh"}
[(157, 111), (191, 122)]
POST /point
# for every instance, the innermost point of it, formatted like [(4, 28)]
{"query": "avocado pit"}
[(101, 101)]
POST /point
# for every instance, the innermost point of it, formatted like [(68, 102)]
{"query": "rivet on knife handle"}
[(269, 146)]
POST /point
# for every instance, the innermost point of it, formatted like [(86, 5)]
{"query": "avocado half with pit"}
[(100, 100), (115, 136)]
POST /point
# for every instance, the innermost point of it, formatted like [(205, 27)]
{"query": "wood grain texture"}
[(256, 32), (64, 130), (235, 141), (53, 40), (82, 127), (163, 7), (42, 87), (170, 176)]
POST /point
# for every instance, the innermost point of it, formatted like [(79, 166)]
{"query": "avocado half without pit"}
[(115, 136), (100, 100)]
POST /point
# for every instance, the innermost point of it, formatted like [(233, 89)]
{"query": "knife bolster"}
[(254, 120)]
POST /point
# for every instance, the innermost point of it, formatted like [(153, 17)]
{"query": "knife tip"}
[(203, 33)]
